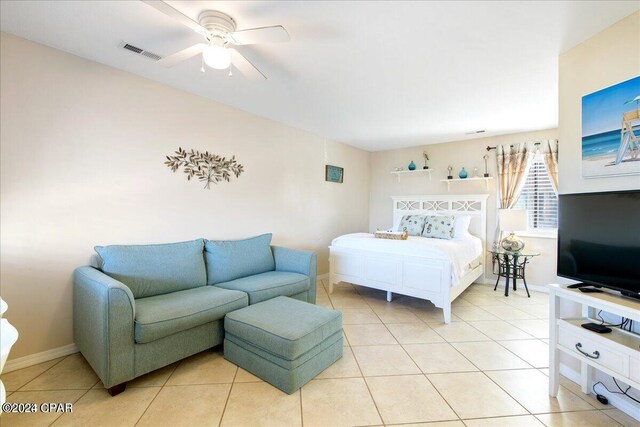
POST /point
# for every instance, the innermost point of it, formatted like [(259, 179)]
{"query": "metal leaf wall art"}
[(205, 167)]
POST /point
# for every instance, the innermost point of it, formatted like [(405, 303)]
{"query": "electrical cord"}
[(623, 392), (619, 325)]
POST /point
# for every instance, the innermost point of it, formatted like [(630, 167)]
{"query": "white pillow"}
[(461, 226)]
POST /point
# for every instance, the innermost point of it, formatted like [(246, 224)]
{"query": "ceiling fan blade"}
[(176, 14), (275, 34), (245, 67), (171, 60)]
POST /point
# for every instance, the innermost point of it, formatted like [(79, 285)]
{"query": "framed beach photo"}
[(611, 131), (333, 174)]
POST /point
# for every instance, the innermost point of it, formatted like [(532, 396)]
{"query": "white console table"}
[(616, 353)]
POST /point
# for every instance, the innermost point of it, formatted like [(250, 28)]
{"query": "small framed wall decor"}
[(333, 174)]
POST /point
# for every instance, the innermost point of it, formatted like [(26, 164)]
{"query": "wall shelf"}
[(417, 171), (479, 178)]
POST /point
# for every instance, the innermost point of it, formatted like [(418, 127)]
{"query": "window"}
[(538, 197)]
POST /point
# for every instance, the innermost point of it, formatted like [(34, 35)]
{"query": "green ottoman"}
[(284, 341)]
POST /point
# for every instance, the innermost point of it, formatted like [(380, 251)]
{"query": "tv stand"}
[(616, 354), (578, 285)]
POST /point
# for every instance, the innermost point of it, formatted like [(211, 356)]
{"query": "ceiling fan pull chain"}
[(230, 72), (202, 63)]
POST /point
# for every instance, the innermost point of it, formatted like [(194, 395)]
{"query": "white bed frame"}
[(414, 276)]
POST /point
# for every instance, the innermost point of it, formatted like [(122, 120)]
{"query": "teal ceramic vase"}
[(463, 174), (412, 166)]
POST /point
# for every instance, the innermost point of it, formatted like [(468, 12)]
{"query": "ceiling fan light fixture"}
[(218, 57)]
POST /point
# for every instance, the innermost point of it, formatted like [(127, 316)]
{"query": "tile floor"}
[(401, 365)]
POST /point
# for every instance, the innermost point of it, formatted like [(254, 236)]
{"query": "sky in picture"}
[(602, 110)]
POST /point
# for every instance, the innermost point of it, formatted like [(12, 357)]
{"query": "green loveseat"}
[(148, 306)]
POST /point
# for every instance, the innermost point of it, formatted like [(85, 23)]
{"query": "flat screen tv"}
[(599, 240)]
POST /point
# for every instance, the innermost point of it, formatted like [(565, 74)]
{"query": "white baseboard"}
[(34, 359), (620, 402), (569, 373), (322, 276)]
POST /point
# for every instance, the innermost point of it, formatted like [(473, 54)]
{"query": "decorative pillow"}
[(413, 223), (461, 226), (232, 259), (439, 226), (155, 269)]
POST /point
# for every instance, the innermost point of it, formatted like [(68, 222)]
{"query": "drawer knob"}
[(596, 354)]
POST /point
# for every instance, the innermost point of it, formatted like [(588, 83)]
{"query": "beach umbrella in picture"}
[(628, 138), (636, 100)]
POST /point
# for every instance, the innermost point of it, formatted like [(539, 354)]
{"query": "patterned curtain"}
[(550, 155), (514, 162)]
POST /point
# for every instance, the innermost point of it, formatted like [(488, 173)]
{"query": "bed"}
[(433, 269)]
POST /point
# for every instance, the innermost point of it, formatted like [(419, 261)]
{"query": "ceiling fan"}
[(219, 32)]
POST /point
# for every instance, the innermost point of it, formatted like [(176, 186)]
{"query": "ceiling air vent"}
[(135, 49), (150, 55)]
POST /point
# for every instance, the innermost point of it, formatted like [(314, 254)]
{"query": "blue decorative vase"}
[(412, 166), (463, 174)]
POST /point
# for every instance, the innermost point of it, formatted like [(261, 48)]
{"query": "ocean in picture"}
[(611, 130)]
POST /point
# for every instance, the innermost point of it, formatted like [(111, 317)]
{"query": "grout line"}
[(226, 402), (148, 406), (40, 374), (443, 398), (358, 363), (170, 374), (604, 412), (301, 408), (76, 401), (366, 384), (189, 385), (224, 408)]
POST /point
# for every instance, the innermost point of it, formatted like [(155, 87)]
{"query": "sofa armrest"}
[(297, 261), (103, 324)]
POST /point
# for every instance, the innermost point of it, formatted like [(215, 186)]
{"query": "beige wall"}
[(458, 154), (82, 151), (609, 57)]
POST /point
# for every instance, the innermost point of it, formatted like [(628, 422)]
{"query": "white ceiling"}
[(376, 75)]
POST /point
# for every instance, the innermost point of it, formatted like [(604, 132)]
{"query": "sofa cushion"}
[(264, 286), (283, 326), (163, 315), (231, 259), (155, 269)]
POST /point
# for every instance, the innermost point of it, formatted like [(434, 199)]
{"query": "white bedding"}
[(464, 253)]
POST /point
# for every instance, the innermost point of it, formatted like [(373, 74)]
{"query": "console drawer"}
[(634, 369), (592, 349)]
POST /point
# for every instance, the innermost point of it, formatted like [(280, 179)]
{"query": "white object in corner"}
[(8, 337), (615, 353)]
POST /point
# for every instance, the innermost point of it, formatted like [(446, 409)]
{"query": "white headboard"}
[(474, 205)]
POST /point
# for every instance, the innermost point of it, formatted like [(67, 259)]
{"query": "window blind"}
[(538, 197)]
